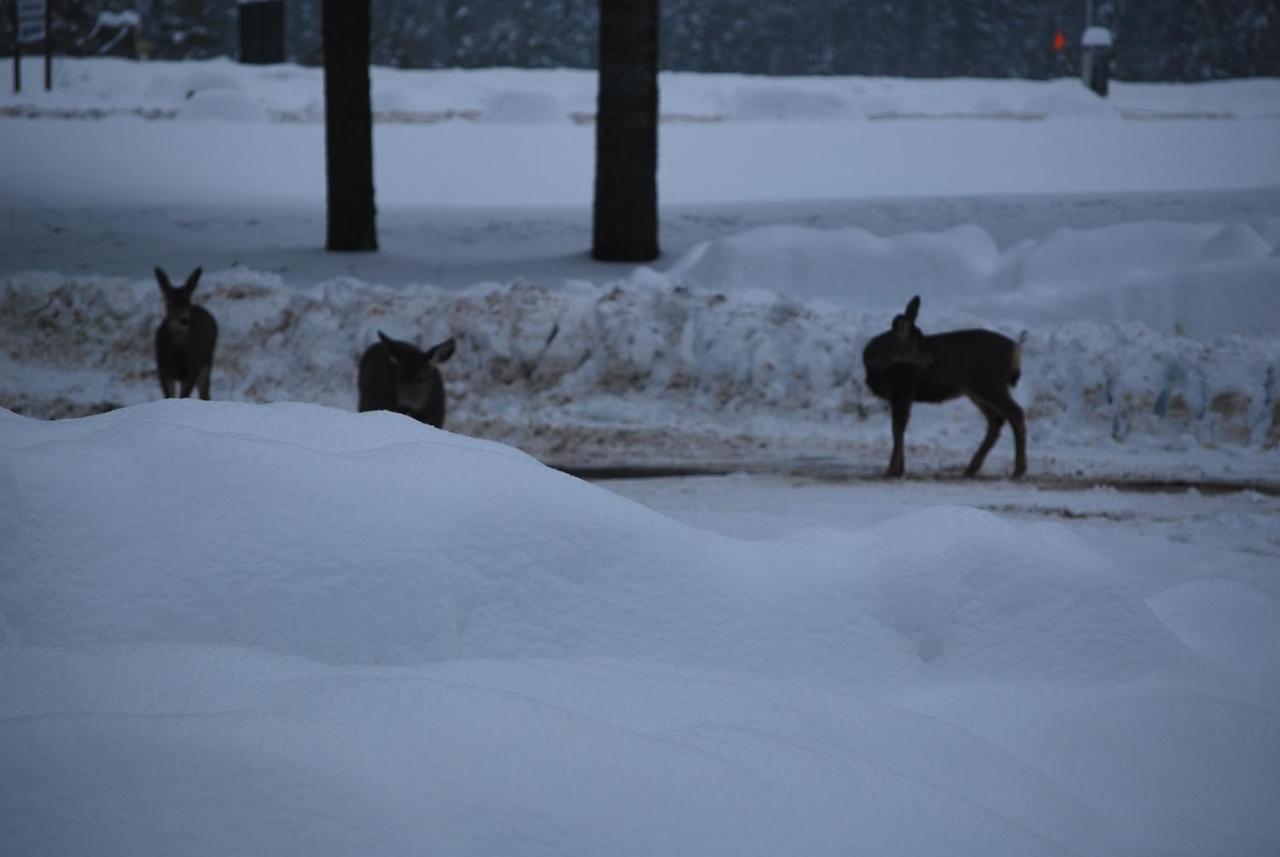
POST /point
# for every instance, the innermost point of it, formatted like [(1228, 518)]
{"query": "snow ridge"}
[(647, 359)]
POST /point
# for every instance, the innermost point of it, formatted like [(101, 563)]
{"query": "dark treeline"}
[(1156, 39)]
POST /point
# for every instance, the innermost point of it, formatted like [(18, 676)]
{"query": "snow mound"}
[(789, 103), (1230, 622), (848, 266), (223, 104), (641, 361), (522, 107), (368, 538), (1205, 279)]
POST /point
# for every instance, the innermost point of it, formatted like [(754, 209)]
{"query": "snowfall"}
[(270, 625)]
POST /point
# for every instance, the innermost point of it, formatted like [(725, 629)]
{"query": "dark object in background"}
[(261, 31), (398, 376), (348, 128), (625, 207), (1096, 52)]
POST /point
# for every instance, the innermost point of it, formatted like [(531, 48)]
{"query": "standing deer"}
[(397, 376), (184, 340), (905, 366)]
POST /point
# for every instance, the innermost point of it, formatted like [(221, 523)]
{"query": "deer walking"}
[(905, 366), (185, 339), (398, 376)]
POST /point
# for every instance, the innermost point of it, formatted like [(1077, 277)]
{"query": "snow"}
[(267, 624), (293, 93), (109, 18), (458, 646), (1095, 37)]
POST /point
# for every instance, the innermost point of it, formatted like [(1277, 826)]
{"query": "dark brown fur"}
[(397, 376), (905, 366), (185, 340)]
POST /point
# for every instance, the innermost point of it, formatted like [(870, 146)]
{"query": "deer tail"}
[(1015, 365)]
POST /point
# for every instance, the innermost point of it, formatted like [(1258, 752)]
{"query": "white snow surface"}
[(270, 625), (1135, 260), (293, 93), (289, 629)]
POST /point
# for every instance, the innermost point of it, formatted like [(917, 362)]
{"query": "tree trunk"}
[(348, 126), (625, 227)]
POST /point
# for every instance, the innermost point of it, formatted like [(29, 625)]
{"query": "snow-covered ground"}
[(233, 628), (1136, 258), (286, 628)]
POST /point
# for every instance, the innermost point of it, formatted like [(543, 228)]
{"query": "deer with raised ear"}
[(398, 376), (905, 366), (185, 339)]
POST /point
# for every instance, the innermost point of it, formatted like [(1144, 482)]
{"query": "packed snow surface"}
[(290, 629)]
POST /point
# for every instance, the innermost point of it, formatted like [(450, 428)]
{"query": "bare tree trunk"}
[(625, 227), (348, 126)]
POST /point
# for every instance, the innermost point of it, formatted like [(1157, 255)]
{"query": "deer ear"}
[(402, 354), (190, 285), (438, 354), (163, 279), (913, 307), (392, 347)]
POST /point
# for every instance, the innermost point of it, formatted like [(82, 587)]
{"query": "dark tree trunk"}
[(625, 227), (348, 126)]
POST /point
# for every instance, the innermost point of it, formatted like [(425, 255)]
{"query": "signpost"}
[(32, 22)]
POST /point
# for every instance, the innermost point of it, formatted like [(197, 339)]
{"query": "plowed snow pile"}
[(1136, 338)]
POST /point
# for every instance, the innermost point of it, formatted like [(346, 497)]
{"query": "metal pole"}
[(48, 45)]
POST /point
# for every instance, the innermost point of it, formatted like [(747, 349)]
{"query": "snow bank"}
[(424, 95), (1203, 280), (1161, 340), (369, 539)]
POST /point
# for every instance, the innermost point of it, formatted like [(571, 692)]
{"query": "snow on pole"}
[(1096, 51)]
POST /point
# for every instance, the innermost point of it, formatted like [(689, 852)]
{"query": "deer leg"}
[(188, 383), (202, 382), (1018, 420), (166, 386), (995, 422), (901, 414), (1011, 411)]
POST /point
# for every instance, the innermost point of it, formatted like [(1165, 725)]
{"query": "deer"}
[(185, 339), (905, 366), (398, 376)]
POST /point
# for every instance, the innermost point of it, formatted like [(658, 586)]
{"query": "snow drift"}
[(370, 539), (290, 629)]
